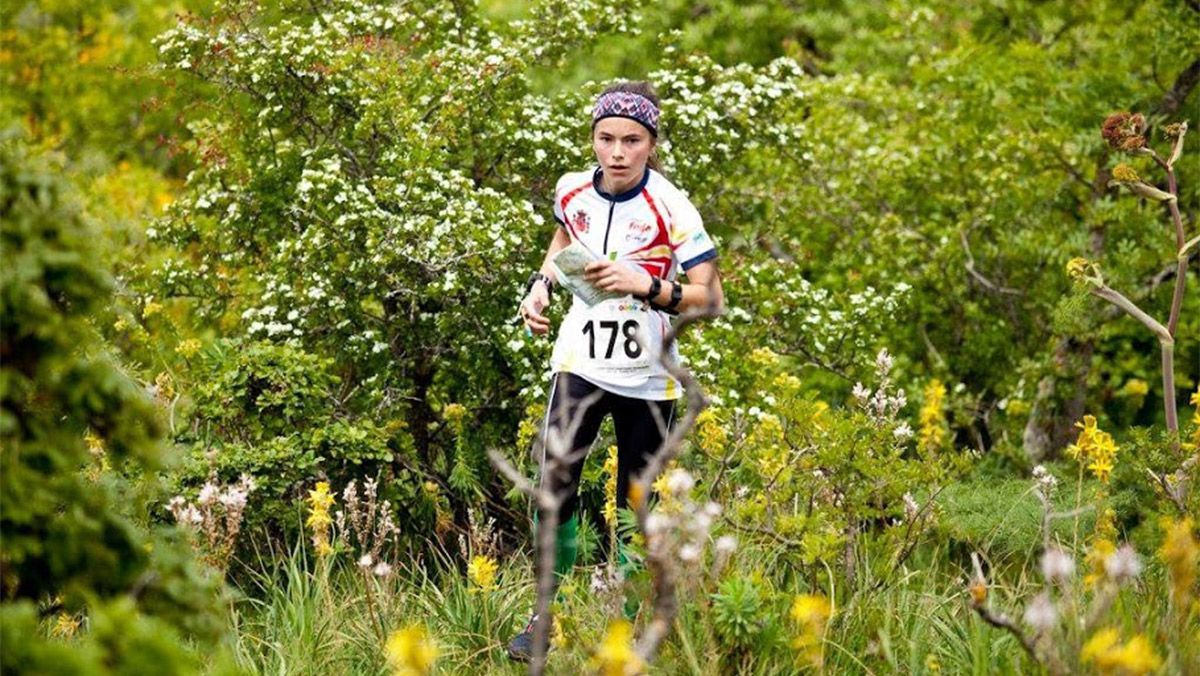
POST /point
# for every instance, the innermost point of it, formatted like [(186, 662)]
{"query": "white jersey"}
[(616, 343)]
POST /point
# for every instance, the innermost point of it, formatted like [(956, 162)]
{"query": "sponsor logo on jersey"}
[(639, 233), (580, 221)]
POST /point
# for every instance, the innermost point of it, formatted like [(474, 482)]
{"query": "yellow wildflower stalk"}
[(319, 502), (932, 418), (610, 487), (811, 613), (1136, 656), (616, 656), (1094, 448), (481, 571), (1181, 554), (411, 652)]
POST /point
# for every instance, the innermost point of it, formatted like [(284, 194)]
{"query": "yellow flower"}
[(932, 663), (615, 656), (164, 387), (188, 348), (1099, 644), (933, 421), (1136, 656), (762, 357), (1134, 387), (610, 487), (1017, 407), (1124, 172), (710, 435), (454, 413), (557, 638), (660, 487), (411, 652), (1097, 554), (1082, 270), (482, 573), (152, 308), (65, 625), (812, 613), (786, 385), (95, 444), (319, 502), (1195, 441), (1181, 554), (530, 425), (1094, 448), (811, 610)]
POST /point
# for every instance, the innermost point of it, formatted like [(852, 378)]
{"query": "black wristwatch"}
[(539, 277), (676, 295), (655, 287)]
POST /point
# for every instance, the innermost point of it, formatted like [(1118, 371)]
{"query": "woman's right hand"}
[(535, 302)]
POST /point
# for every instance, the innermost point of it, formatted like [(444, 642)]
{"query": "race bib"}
[(612, 341)]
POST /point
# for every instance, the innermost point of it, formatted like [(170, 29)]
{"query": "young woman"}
[(641, 232)]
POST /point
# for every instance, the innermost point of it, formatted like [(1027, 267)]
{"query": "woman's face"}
[(622, 147)]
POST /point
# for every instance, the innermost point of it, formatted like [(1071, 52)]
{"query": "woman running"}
[(639, 232)]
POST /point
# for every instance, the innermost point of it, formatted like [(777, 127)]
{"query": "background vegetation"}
[(258, 255)]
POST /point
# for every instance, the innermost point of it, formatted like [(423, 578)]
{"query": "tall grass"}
[(303, 616)]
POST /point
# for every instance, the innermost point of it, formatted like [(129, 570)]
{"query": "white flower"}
[(233, 499), (1057, 565), (726, 544), (861, 393), (657, 523), (911, 508), (1041, 613), (1123, 564), (192, 516), (208, 493), (883, 361), (903, 432), (382, 569), (689, 553), (1045, 480), (365, 561), (680, 483), (604, 579)]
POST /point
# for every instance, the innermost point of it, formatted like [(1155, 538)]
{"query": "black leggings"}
[(639, 433)]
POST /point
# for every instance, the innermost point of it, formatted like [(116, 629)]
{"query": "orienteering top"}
[(652, 225)]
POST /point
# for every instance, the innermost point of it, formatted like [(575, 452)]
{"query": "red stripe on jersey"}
[(663, 237), (562, 205)]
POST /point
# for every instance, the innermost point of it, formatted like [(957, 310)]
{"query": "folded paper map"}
[(568, 266)]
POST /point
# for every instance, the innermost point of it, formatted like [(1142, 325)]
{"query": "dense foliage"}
[(66, 410), (319, 217)]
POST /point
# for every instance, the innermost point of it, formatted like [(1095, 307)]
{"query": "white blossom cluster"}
[(882, 404), (713, 113), (681, 532), (1058, 567)]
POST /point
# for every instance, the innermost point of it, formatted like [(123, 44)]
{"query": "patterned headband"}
[(627, 104)]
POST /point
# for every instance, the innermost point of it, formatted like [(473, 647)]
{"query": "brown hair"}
[(642, 88)]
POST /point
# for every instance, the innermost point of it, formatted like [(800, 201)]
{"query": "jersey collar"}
[(622, 197)]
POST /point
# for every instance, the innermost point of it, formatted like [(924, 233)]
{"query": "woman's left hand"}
[(618, 277)]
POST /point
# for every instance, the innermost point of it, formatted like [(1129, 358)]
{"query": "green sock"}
[(566, 546), (628, 568)]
